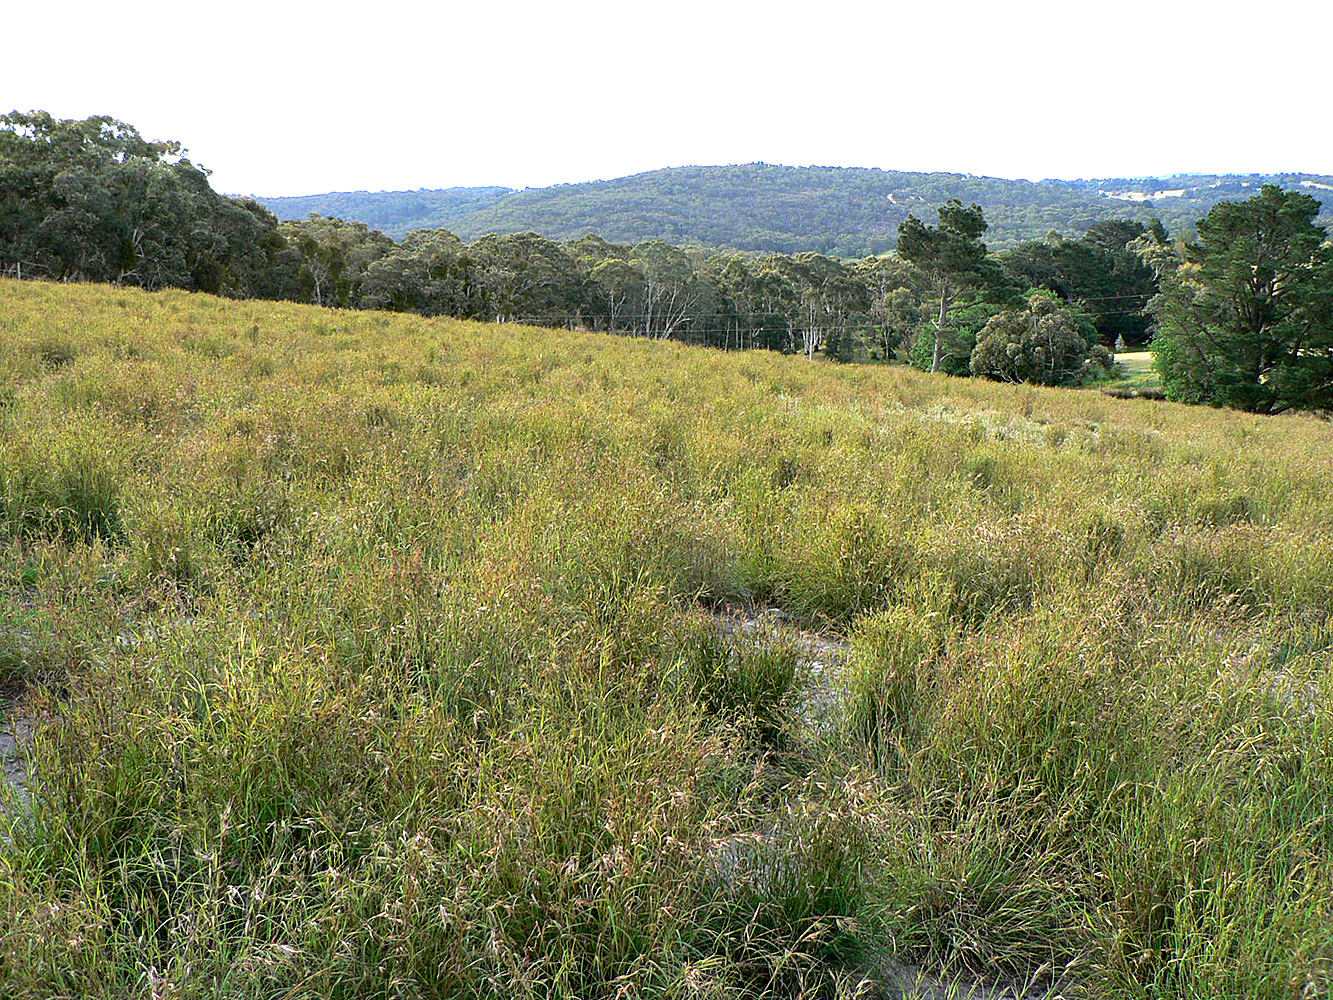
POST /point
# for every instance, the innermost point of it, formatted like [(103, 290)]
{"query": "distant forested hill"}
[(391, 212), (757, 206)]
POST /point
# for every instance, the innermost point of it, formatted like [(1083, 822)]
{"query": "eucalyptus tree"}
[(429, 272), (729, 277), (616, 288), (260, 263), (830, 298), (93, 199), (777, 301), (670, 287), (1041, 343), (334, 256), (953, 258), (528, 278), (893, 292), (590, 250)]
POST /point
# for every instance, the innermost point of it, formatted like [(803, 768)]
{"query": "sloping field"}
[(361, 655)]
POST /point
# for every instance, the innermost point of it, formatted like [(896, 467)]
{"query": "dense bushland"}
[(376, 655), (768, 208)]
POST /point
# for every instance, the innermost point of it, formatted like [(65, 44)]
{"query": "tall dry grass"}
[(379, 656)]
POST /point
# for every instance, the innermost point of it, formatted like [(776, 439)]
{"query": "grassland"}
[(376, 656), (1138, 374)]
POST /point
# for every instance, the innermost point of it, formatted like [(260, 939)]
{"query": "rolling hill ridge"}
[(845, 211)]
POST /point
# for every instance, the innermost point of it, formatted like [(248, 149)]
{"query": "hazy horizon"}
[(796, 166)]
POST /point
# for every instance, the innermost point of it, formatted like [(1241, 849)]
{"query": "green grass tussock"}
[(378, 656)]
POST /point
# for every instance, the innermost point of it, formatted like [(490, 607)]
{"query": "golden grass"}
[(372, 655)]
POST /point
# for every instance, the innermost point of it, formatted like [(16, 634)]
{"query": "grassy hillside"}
[(844, 211), (376, 656)]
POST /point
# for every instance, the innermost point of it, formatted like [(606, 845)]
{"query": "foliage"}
[(429, 272), (1041, 343), (334, 256), (766, 208), (956, 346), (395, 213), (1245, 316), (1099, 272), (527, 276), (93, 200), (954, 260)]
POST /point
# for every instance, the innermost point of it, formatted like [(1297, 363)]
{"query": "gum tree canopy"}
[(952, 256), (1245, 315), (94, 200), (1041, 344)]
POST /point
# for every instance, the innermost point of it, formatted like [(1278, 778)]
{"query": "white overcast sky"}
[(294, 98)]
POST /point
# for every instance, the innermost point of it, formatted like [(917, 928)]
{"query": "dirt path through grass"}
[(14, 732), (820, 704)]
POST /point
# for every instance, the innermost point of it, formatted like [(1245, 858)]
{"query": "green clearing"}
[(1136, 376), (1139, 372), (1137, 363), (377, 656)]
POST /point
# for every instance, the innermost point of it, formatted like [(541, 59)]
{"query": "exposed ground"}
[(14, 731)]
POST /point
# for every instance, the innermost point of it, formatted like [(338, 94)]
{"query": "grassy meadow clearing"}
[(376, 656), (1136, 377)]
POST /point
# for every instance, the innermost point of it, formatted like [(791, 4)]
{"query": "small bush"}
[(1041, 344)]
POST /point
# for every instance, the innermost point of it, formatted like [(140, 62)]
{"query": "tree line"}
[(93, 200), (1242, 317)]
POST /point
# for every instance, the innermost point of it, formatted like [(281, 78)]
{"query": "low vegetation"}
[(372, 655)]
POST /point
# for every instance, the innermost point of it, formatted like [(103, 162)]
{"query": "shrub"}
[(1041, 344)]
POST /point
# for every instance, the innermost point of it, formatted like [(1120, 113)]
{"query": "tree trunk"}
[(939, 329)]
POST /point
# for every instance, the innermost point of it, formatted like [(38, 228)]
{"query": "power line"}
[(1109, 298)]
